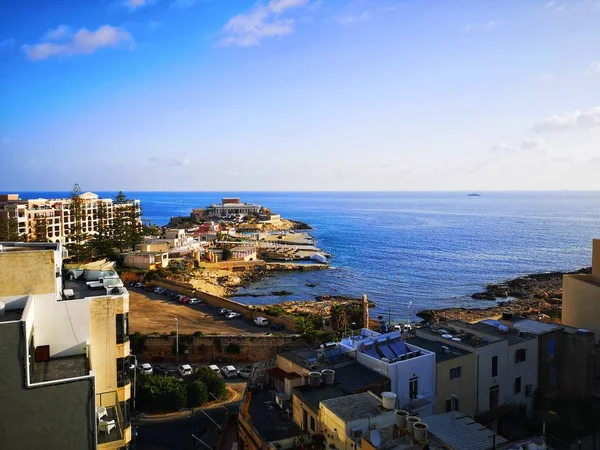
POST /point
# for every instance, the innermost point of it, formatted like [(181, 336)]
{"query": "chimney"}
[(365, 311)]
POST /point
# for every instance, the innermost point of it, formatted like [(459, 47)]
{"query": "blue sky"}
[(299, 94)]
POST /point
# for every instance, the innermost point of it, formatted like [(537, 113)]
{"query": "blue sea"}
[(433, 249)]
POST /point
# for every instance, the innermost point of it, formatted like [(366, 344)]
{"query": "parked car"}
[(184, 370), (145, 368), (224, 311), (277, 327), (229, 372), (215, 369), (261, 321), (159, 370), (245, 372), (232, 315), (403, 328), (194, 301), (139, 285)]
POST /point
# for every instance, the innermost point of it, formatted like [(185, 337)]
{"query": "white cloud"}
[(533, 145), (574, 120), (480, 26), (350, 19), (58, 34), (543, 77), (527, 146), (83, 42), (261, 22)]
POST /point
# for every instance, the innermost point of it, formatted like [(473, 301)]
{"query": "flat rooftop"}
[(490, 326), (436, 347), (357, 406), (271, 422), (535, 327), (312, 396), (82, 290), (11, 315), (465, 332), (6, 247), (311, 359), (461, 432), (61, 368)]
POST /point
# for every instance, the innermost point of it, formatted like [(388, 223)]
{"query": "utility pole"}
[(389, 316), (408, 317)]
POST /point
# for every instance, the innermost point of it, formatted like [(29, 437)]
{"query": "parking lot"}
[(150, 312)]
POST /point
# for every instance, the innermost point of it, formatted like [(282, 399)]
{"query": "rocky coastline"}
[(537, 296)]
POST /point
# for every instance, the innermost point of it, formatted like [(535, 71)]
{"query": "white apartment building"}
[(58, 216), (411, 369)]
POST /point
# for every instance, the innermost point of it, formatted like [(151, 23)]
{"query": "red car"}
[(184, 299)]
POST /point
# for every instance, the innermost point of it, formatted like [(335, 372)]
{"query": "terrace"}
[(109, 416), (60, 368), (91, 284)]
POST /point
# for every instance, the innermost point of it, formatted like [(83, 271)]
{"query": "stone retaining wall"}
[(219, 349), (221, 302)]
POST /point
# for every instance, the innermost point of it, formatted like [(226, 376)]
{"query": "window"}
[(313, 428), (494, 366), (122, 328), (123, 371), (413, 387), (518, 385), (494, 396), (528, 390), (550, 349), (455, 372), (520, 355)]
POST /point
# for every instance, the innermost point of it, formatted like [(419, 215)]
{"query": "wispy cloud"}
[(170, 161), (480, 26), (574, 120), (350, 19), (263, 21), (530, 146), (543, 77), (594, 68), (554, 5), (135, 4), (82, 42)]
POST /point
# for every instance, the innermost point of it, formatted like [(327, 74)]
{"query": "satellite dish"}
[(375, 438)]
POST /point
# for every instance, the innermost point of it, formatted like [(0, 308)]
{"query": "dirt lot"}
[(150, 312)]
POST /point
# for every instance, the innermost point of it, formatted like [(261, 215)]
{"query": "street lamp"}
[(134, 378), (177, 340)]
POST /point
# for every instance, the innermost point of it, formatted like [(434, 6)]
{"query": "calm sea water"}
[(433, 249)]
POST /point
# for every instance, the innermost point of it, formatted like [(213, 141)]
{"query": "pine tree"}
[(78, 249), (127, 228), (9, 227), (40, 229), (102, 242)]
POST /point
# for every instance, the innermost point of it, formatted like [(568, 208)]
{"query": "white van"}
[(215, 369), (261, 321), (229, 372)]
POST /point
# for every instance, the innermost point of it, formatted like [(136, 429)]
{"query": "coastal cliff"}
[(537, 295)]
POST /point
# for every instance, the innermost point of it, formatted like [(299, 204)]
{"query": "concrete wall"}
[(232, 265), (581, 302), (221, 302), (527, 370), (461, 387), (485, 379), (64, 325), (103, 352), (27, 272), (211, 349), (55, 417)]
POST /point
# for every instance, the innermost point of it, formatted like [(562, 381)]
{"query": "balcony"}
[(112, 429), (421, 402), (53, 369)]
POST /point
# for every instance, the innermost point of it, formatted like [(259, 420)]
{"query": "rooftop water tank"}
[(410, 423), (314, 379), (328, 376), (456, 339), (388, 400), (503, 328), (447, 336)]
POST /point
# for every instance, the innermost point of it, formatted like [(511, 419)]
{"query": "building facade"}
[(57, 217), (65, 350)]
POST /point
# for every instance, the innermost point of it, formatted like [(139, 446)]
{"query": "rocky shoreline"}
[(537, 295)]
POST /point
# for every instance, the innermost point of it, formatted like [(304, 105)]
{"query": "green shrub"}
[(160, 393), (197, 393), (173, 333), (214, 383), (198, 334)]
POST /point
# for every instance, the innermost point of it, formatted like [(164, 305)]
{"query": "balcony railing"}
[(109, 418)]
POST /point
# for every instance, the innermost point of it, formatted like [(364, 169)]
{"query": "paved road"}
[(176, 433)]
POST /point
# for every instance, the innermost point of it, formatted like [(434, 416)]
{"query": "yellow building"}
[(581, 296), (65, 352)]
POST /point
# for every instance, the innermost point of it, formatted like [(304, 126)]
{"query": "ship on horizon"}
[(474, 194)]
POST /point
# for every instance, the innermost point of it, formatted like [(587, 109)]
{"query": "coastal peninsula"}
[(538, 296)]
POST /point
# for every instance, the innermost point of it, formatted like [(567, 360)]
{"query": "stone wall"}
[(219, 349), (221, 302)]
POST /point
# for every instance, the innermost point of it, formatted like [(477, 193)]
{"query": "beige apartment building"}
[(64, 348), (581, 297), (57, 214)]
